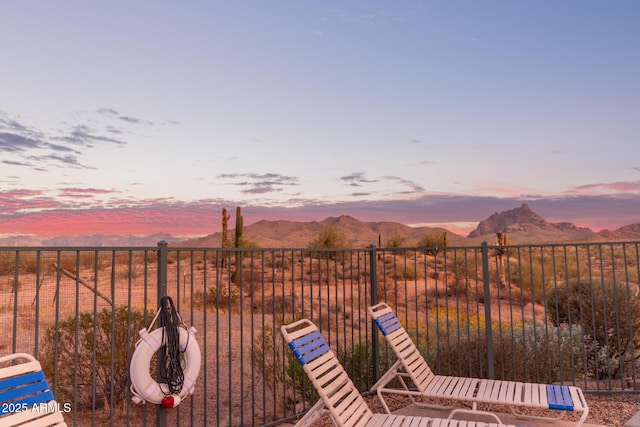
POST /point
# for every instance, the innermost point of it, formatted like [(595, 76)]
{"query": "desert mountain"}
[(627, 232), (524, 225), (291, 234)]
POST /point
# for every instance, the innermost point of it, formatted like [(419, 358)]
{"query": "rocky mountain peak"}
[(514, 220)]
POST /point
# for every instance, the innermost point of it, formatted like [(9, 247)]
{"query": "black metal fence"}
[(566, 313)]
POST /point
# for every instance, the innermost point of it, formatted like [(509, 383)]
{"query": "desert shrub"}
[(7, 262), (217, 297), (81, 260), (406, 271), (80, 340), (357, 361), (278, 304), (431, 242), (280, 370), (522, 351), (564, 263), (249, 243), (461, 274), (396, 241), (302, 390), (26, 262), (329, 238), (525, 272), (529, 352), (600, 308), (268, 358)]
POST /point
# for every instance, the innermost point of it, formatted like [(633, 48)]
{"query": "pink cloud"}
[(46, 217), (20, 200), (605, 188), (128, 220)]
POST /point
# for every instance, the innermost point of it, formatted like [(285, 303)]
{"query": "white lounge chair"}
[(411, 365), (25, 397), (338, 394)]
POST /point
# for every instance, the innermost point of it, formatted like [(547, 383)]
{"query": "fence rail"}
[(565, 313)]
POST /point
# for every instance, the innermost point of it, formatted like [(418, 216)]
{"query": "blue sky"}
[(140, 117)]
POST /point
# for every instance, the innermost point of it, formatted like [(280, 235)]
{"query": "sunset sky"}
[(122, 117)]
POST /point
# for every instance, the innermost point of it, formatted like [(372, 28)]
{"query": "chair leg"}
[(537, 417), (474, 410), (312, 414), (379, 387), (388, 376)]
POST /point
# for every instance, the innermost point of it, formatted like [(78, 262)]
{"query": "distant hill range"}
[(100, 240), (522, 226), (291, 234)]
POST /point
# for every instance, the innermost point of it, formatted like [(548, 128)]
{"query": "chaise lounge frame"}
[(411, 365), (339, 396)]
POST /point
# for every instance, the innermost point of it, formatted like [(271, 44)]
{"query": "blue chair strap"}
[(309, 347), (24, 390), (21, 379), (388, 323), (559, 397)]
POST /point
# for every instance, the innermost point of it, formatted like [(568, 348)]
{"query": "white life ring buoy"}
[(143, 387)]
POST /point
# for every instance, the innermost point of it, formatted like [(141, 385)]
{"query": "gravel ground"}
[(612, 409)]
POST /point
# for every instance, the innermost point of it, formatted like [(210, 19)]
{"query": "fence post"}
[(487, 309), (163, 249), (374, 300)]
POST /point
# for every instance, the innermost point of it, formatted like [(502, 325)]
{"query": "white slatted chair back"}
[(24, 393)]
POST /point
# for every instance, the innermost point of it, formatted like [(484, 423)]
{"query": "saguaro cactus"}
[(225, 237), (238, 227), (238, 244)]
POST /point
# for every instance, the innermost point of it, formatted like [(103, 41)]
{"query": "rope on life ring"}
[(143, 387)]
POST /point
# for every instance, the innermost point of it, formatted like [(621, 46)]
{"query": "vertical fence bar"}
[(161, 413), (16, 282), (374, 300), (487, 309)]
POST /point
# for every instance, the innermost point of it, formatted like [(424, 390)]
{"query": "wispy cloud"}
[(125, 118), (359, 180), (83, 135), (14, 143), (356, 179), (254, 183), (60, 161), (40, 149), (83, 192), (414, 188)]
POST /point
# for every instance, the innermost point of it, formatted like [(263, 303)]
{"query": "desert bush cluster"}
[(88, 356)]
